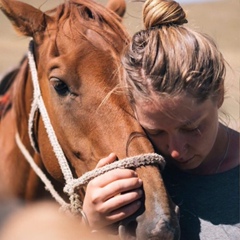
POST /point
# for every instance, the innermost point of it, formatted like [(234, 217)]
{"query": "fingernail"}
[(135, 174), (112, 155)]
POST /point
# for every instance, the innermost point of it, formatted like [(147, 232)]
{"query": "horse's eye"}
[(60, 87)]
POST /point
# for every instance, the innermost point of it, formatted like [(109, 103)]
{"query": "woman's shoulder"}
[(209, 204)]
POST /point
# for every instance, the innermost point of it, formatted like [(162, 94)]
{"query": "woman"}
[(174, 78)]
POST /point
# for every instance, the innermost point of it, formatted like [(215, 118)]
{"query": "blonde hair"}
[(167, 58)]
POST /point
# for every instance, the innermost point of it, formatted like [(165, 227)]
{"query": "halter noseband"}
[(71, 184)]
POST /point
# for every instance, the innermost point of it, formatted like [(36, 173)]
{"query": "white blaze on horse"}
[(63, 109)]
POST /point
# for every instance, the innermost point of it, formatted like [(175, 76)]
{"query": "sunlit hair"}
[(169, 59)]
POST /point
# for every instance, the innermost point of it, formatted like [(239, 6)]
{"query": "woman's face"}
[(181, 129)]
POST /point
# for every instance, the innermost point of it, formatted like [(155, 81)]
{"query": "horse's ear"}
[(118, 6), (25, 18)]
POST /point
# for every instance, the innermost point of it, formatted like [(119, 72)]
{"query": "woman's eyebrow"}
[(193, 121)]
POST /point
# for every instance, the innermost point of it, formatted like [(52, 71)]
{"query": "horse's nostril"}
[(168, 231), (162, 230)]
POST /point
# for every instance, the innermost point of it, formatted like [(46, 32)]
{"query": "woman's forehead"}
[(182, 110)]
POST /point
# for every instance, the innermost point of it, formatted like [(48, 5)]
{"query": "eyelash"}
[(193, 130), (154, 133)]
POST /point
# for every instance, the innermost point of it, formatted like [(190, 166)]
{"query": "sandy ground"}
[(220, 19)]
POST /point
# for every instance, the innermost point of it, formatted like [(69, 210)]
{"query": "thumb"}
[(107, 160)]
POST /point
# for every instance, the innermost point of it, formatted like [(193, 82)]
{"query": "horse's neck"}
[(19, 178)]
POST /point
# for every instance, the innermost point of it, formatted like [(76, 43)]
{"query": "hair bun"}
[(162, 12)]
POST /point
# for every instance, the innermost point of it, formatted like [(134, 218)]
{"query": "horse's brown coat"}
[(77, 48)]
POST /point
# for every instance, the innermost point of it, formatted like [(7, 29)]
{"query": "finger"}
[(123, 212), (121, 200), (120, 186), (116, 215), (107, 160), (111, 176)]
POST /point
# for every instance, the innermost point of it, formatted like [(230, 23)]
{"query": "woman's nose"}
[(176, 147), (175, 154)]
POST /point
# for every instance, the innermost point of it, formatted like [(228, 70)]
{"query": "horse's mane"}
[(6, 82), (7, 78)]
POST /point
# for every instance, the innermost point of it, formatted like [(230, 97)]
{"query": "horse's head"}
[(77, 49)]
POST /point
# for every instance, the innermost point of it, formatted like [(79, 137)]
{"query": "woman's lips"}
[(182, 161)]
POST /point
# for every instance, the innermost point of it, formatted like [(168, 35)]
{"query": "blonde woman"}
[(174, 78)]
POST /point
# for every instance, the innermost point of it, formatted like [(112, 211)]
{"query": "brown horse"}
[(73, 85)]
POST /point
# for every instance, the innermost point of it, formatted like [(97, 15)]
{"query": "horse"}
[(64, 108)]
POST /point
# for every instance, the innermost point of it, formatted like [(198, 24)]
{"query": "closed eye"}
[(155, 133), (192, 130)]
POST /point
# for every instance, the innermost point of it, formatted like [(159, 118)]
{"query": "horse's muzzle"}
[(163, 229), (164, 232)]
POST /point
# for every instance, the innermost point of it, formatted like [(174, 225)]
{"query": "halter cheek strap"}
[(71, 184), (38, 103)]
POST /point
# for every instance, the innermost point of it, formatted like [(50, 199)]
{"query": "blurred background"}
[(218, 18)]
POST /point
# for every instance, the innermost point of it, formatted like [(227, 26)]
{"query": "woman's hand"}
[(112, 196)]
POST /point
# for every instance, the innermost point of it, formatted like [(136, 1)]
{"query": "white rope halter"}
[(71, 184)]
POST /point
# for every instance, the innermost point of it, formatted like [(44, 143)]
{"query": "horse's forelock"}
[(84, 15)]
